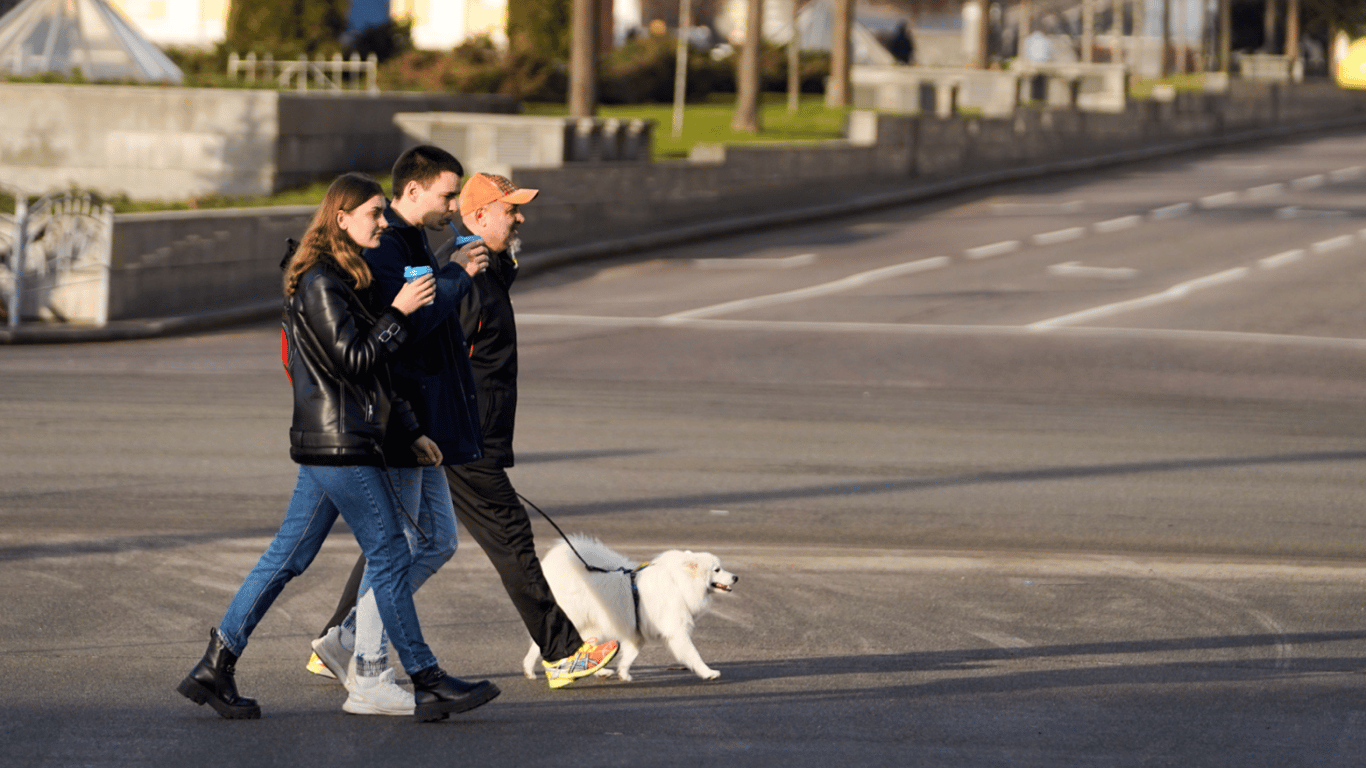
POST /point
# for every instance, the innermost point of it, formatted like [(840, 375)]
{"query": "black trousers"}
[(487, 505)]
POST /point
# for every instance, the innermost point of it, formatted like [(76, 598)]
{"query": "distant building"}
[(191, 23), (444, 24)]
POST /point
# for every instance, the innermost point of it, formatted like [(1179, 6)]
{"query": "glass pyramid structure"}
[(61, 36)]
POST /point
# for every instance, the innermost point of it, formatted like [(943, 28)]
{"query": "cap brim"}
[(521, 196)]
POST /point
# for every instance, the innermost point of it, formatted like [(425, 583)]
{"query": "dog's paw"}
[(709, 674), (625, 676), (529, 674), (604, 673)]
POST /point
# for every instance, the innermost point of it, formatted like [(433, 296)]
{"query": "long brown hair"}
[(325, 238)]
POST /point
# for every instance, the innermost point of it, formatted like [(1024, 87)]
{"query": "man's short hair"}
[(423, 164)]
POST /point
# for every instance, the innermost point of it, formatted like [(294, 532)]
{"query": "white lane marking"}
[(1115, 225), (1265, 190), (1077, 269), (995, 249), (1170, 211), (1346, 174), (1284, 650), (908, 329), (1281, 259), (788, 262), (852, 281), (1333, 244), (1001, 641), (1034, 209), (1309, 182), (1059, 236), (1219, 200), (1296, 212), (1174, 293)]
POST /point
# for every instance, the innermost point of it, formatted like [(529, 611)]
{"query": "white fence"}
[(303, 74), (55, 258)]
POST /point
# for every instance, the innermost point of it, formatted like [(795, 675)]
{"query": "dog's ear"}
[(693, 566)]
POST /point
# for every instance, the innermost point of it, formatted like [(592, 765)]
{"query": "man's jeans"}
[(432, 541), (366, 499)]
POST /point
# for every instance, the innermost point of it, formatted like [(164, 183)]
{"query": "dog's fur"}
[(674, 589)]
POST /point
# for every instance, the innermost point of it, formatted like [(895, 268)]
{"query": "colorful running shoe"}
[(317, 667), (590, 657)]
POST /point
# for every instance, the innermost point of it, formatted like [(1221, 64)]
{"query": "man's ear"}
[(411, 190)]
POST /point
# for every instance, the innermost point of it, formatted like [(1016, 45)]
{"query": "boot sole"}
[(440, 710), (192, 690)]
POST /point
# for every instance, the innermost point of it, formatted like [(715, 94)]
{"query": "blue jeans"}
[(432, 541), (365, 499)]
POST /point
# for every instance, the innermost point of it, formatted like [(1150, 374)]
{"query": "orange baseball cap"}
[(485, 188)]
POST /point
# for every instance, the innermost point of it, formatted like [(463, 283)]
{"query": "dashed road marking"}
[(1309, 182), (995, 249), (1077, 269), (1115, 225), (1059, 236), (1171, 211), (1266, 190), (1219, 200)]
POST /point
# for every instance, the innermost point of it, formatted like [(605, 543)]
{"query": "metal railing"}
[(54, 258), (304, 74)]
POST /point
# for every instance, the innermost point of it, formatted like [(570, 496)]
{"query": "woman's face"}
[(364, 222)]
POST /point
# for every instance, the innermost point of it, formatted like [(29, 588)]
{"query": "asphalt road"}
[(1060, 473)]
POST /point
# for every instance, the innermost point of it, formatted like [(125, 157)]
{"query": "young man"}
[(485, 501), (433, 375)]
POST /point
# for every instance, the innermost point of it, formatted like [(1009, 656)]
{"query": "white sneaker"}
[(376, 695)]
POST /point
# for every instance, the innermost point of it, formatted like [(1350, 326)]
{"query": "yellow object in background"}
[(1352, 68)]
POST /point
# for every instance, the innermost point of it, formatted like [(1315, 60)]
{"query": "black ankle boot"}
[(436, 694), (211, 681)]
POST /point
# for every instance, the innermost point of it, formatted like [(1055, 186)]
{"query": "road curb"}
[(555, 257)]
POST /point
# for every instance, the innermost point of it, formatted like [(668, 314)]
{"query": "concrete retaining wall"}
[(174, 263), (173, 143)]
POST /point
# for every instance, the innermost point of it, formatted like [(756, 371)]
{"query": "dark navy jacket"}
[(432, 372)]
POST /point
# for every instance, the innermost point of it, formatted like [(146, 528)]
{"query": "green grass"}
[(710, 122), (1142, 89)]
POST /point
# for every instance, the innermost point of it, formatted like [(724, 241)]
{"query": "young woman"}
[(335, 354)]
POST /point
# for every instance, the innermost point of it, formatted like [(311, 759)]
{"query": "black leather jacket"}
[(336, 355)]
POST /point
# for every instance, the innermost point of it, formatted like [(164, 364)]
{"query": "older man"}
[(485, 501)]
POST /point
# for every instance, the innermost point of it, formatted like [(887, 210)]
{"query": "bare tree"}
[(747, 73), (841, 53), (583, 60)]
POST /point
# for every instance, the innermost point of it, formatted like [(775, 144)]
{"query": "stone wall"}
[(175, 143)]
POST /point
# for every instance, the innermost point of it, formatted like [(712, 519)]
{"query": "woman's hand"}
[(428, 455), (415, 294)]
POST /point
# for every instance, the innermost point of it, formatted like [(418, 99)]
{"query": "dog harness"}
[(630, 574)]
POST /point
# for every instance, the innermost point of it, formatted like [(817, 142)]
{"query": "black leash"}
[(630, 572)]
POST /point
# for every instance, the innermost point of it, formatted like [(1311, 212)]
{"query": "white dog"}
[(670, 592)]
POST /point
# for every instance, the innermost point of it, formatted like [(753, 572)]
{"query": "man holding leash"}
[(484, 498), (485, 501)]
